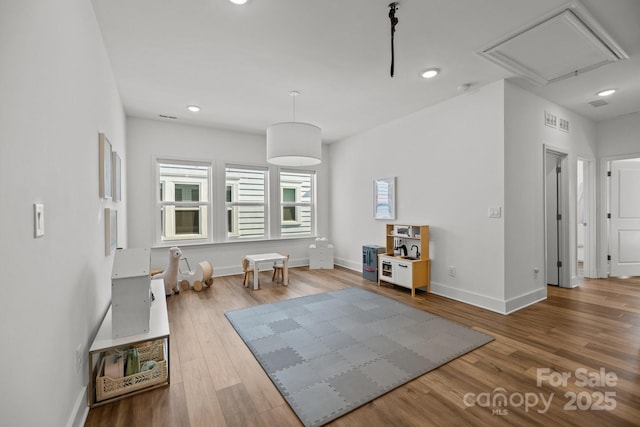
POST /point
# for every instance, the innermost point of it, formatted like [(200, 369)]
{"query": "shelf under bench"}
[(104, 342)]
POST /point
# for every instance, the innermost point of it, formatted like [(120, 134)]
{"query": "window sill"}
[(229, 242)]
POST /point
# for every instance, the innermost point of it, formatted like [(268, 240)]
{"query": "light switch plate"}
[(38, 219)]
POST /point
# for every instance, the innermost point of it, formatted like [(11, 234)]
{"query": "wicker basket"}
[(107, 387)]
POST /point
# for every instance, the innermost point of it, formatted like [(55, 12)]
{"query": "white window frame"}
[(159, 212), (234, 205), (298, 204)]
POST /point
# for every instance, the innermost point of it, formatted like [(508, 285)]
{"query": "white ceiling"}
[(239, 63)]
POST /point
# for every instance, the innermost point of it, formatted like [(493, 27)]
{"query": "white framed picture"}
[(384, 198), (117, 186), (104, 147), (110, 230)]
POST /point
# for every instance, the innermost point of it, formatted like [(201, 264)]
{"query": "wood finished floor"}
[(216, 381)]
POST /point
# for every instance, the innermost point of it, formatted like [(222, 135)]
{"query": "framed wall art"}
[(110, 230), (384, 198), (106, 184), (117, 187)]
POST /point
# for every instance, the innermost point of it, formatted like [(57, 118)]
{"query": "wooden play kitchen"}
[(406, 262)]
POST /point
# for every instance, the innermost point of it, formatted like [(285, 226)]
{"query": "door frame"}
[(589, 192), (568, 269), (604, 208)]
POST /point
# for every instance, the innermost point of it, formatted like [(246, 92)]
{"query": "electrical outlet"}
[(79, 358), (452, 271), (495, 212)]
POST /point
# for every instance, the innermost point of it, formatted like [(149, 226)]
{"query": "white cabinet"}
[(403, 273), (131, 292), (321, 255), (410, 274)]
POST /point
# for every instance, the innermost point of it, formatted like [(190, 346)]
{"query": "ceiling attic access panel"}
[(563, 44)]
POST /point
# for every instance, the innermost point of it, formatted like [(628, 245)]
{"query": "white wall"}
[(619, 137), (616, 138), (57, 94), (449, 161), (525, 137), (148, 138)]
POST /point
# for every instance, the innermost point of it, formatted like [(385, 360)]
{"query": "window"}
[(183, 203), (246, 202), (232, 211), (193, 205), (297, 210), (290, 213)]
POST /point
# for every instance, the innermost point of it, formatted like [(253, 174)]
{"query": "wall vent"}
[(598, 103), (550, 120), (563, 125), (164, 116)]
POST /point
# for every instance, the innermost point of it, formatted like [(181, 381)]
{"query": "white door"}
[(624, 244)]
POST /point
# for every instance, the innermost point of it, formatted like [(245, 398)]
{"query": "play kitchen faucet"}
[(400, 249)]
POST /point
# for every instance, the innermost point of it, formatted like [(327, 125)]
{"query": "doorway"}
[(580, 223), (556, 185), (624, 217)]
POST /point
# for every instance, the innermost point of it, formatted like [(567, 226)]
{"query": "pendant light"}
[(294, 143)]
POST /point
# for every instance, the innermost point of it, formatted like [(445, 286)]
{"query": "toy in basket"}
[(196, 279), (118, 384)]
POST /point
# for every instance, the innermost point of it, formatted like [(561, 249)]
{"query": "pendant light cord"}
[(393, 7)]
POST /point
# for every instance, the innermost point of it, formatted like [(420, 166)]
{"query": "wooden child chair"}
[(248, 274), (278, 269)]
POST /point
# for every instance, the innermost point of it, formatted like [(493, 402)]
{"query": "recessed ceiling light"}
[(430, 73), (193, 108), (606, 92), (238, 1)]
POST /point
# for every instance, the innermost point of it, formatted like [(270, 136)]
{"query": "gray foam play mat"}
[(330, 353)]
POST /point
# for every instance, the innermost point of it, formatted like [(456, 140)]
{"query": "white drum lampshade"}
[(294, 144)]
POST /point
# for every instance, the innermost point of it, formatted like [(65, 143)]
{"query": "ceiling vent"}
[(561, 44), (599, 103)]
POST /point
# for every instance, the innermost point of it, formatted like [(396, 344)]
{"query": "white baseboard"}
[(573, 282), (80, 410), (467, 297), (530, 298), (348, 264), (489, 303)]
